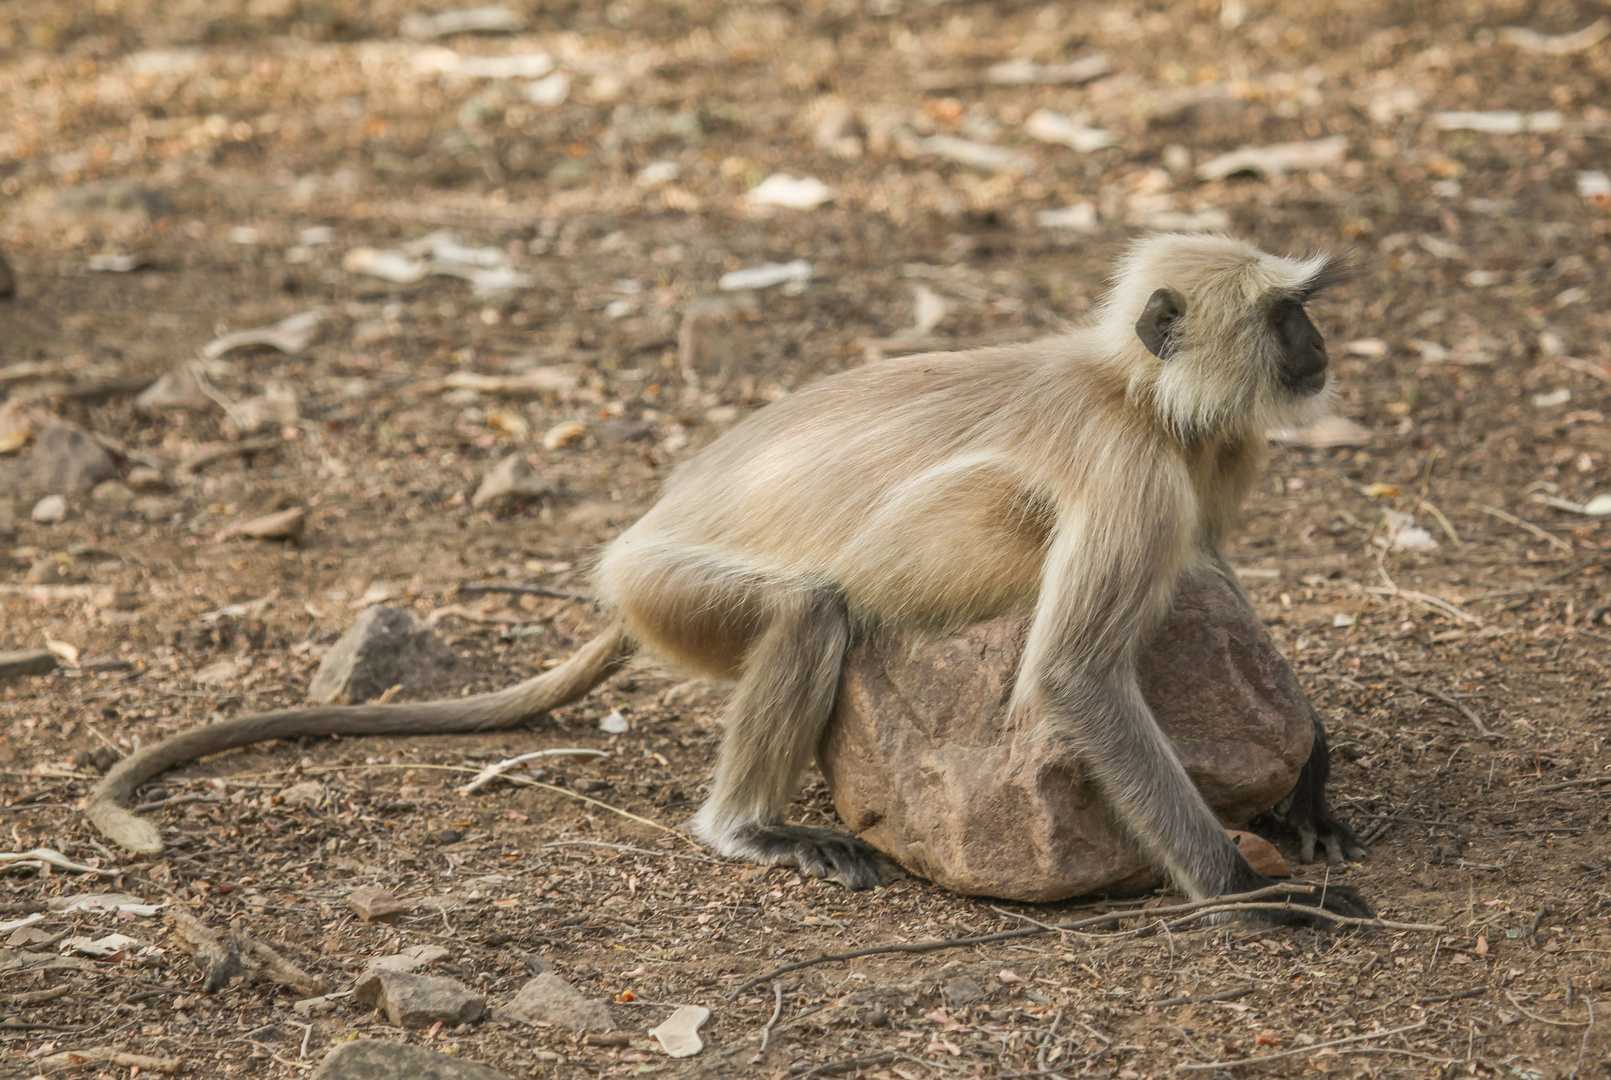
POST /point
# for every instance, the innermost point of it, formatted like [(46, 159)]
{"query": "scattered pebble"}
[(374, 904), (1594, 187), (49, 510), (393, 266), (281, 525), (180, 388), (1552, 398), (510, 483), (411, 959), (678, 1035), (797, 193), (549, 999), (418, 1001), (385, 647)]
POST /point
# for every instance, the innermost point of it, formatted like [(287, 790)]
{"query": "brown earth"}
[(1483, 299)]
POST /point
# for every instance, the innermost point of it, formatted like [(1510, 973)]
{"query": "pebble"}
[(44, 571), (146, 478), (113, 494), (679, 1034), (282, 525), (376, 1059), (374, 904), (308, 793), (178, 389), (63, 459), (384, 648), (510, 483), (418, 1001), (960, 992), (411, 959), (49, 510), (550, 999)]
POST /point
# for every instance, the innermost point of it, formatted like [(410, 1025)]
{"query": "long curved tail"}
[(107, 804)]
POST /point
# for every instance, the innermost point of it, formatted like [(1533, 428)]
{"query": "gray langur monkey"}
[(1076, 479)]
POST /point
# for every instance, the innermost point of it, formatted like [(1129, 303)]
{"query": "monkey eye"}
[(1164, 308)]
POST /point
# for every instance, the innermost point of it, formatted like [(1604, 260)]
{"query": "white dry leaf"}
[(289, 335), (766, 275), (17, 924), (550, 90), (794, 192), (1372, 348), (1025, 72), (1212, 219), (1499, 121), (929, 310), (615, 723), (1081, 217), (67, 654), (488, 19), (678, 1035), (657, 172), (1551, 398), (541, 380), (126, 903), (1277, 159), (1343, 619), (976, 155), (386, 264), (109, 945), (1054, 127), (1599, 506), (1594, 187), (564, 434), (1556, 44), (1401, 533), (1430, 351)]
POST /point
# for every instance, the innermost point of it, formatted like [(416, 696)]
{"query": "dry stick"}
[(1196, 999), (777, 1011), (554, 591), (1494, 511), (1467, 711), (649, 851), (1583, 1046), (1544, 1019), (1300, 1050), (1592, 781), (1469, 992), (1213, 905), (1436, 603)]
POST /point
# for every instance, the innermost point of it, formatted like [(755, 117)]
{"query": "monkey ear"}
[(1158, 318)]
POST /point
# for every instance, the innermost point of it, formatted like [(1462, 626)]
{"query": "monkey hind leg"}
[(1306, 812), (783, 700)]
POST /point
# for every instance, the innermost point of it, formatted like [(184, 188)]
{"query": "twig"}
[(777, 1011), (1298, 1051), (1592, 781), (601, 805), (1494, 511), (554, 591), (36, 997), (1465, 710), (1215, 905), (1544, 1019), (649, 851), (1584, 1045), (1196, 999), (498, 768), (1458, 995), (1437, 603), (1448, 529), (833, 1068)]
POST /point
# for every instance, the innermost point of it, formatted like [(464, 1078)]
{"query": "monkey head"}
[(1216, 332)]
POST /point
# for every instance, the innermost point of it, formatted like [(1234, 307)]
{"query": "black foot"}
[(821, 853), (1306, 813), (1328, 896)]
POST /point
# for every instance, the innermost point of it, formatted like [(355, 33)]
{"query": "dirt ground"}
[(251, 148)]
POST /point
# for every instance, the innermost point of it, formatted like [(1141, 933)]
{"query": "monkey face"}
[(1302, 363)]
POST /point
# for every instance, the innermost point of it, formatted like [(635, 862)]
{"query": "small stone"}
[(112, 494), (510, 483), (26, 662), (619, 432), (283, 525), (443, 837), (1260, 854), (418, 1001), (411, 959), (550, 999), (44, 571), (372, 1059), (384, 648), (679, 1034), (374, 904), (268, 1033), (309, 793), (145, 478), (63, 460), (178, 389), (960, 992), (49, 510)]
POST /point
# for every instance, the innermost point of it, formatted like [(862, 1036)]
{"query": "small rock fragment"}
[(794, 192), (308, 793), (108, 263), (961, 992), (44, 571), (268, 1033), (49, 510), (63, 460), (388, 265), (511, 483), (113, 494), (374, 904), (679, 1034), (282, 525), (1081, 217), (1499, 121), (372, 1059), (384, 648), (550, 999), (418, 1001)]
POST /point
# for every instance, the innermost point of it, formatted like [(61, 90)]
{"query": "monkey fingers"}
[(821, 853)]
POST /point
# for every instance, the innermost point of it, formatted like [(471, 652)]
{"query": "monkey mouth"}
[(1305, 384)]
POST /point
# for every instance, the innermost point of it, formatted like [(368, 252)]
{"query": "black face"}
[(1303, 350)]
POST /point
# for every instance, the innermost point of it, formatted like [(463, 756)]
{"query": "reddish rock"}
[(375, 904), (926, 765)]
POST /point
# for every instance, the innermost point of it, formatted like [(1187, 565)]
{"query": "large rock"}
[(384, 648), (371, 1059), (927, 766), (549, 999)]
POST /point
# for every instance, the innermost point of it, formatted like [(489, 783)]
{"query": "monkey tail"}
[(107, 804)]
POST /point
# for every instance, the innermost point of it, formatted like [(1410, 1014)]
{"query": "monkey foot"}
[(819, 852), (1338, 899), (1307, 814)]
